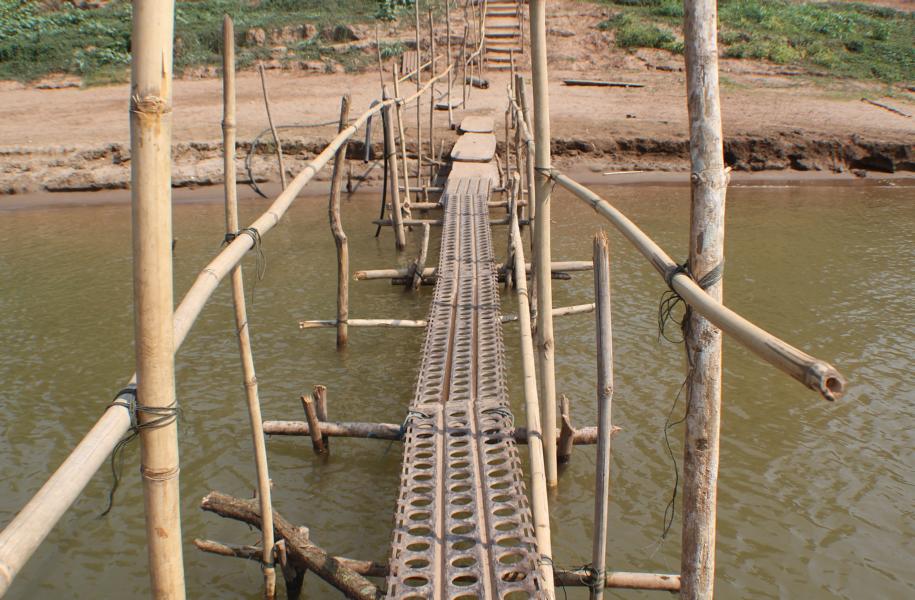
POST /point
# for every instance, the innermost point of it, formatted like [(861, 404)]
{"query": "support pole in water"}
[(241, 314), (541, 259), (709, 181), (400, 240), (336, 227), (150, 147), (604, 400)]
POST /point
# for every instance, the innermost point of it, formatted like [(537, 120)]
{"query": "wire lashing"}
[(159, 416)]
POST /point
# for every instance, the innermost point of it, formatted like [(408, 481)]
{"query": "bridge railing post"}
[(542, 254)]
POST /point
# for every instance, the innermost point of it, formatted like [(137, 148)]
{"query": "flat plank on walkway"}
[(474, 147), (476, 125)]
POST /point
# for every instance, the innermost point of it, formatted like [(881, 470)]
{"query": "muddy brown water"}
[(815, 498)]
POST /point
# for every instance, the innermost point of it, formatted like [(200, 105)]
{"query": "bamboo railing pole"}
[(419, 107), (703, 340), (336, 228), (407, 203), (604, 400), (241, 316), (400, 240), (449, 61), (539, 485), (150, 141), (22, 536), (276, 137), (431, 104), (541, 259)]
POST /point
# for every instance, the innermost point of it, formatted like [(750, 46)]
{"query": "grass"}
[(855, 40), (38, 38)]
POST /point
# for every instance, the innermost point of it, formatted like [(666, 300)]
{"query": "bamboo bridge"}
[(465, 526)]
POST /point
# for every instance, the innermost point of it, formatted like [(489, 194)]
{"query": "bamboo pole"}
[(566, 431), (336, 228), (315, 324), (276, 137), (397, 216), (604, 399), (419, 108), (451, 124), (529, 151), (814, 373), (538, 447), (314, 425), (431, 102), (541, 260), (22, 536), (556, 267), (407, 202), (703, 340), (320, 396), (420, 265), (241, 316), (150, 137), (464, 68)]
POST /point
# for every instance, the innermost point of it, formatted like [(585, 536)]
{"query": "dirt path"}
[(774, 118)]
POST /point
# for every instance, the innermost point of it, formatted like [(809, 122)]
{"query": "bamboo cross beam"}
[(814, 373), (566, 266)]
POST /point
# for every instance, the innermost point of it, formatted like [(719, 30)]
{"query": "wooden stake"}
[(566, 431), (541, 260), (420, 265), (241, 316), (604, 398), (336, 228), (320, 396), (314, 425), (400, 239), (150, 142), (703, 340), (407, 202), (276, 138)]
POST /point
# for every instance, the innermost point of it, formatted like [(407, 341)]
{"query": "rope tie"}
[(160, 416), (594, 578)]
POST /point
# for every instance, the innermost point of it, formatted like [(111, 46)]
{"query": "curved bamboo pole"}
[(150, 146), (336, 227), (814, 373), (276, 137), (241, 315)]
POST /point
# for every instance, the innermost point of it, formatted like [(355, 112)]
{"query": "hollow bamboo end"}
[(827, 380)]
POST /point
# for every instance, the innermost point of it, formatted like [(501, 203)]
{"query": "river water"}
[(816, 499)]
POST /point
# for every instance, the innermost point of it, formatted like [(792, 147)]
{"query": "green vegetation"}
[(42, 37), (855, 40)]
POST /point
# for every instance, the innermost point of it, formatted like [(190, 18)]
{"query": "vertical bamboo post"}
[(566, 431), (403, 142), (420, 264), (542, 259), (150, 147), (241, 316), (464, 68), (528, 151), (336, 228), (320, 395), (400, 240), (276, 137), (703, 340), (419, 104), (604, 400), (431, 102), (540, 511), (314, 425), (448, 63)]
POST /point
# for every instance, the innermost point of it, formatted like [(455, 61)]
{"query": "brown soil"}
[(775, 118)]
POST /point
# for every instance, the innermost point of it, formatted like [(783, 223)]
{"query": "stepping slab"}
[(476, 125), (474, 147), (469, 169), (443, 104)]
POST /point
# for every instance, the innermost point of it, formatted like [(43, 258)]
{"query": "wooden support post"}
[(431, 102), (407, 201), (241, 312), (400, 239), (451, 123), (320, 396), (419, 104), (420, 264), (336, 228), (566, 431), (604, 398), (703, 340), (541, 259), (314, 425), (464, 68), (150, 150), (276, 137)]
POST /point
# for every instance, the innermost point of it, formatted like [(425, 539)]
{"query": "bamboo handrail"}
[(814, 373), (22, 536)]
